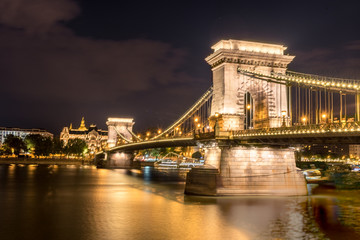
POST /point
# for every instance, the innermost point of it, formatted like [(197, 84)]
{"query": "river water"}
[(68, 202)]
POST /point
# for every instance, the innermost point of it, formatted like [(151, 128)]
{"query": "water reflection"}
[(46, 202)]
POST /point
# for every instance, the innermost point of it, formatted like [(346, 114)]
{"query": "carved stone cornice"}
[(248, 58)]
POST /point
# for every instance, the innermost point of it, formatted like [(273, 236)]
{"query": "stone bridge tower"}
[(242, 101), (119, 126)]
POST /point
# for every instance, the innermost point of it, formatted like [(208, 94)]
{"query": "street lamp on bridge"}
[(283, 114), (304, 119), (324, 117)]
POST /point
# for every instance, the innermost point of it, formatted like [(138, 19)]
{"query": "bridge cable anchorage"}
[(308, 80), (133, 134), (203, 99), (122, 136)]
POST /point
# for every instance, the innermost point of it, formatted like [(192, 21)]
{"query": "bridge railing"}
[(301, 129)]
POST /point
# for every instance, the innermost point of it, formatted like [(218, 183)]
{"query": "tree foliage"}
[(58, 146), (196, 155), (76, 146), (14, 145), (39, 145)]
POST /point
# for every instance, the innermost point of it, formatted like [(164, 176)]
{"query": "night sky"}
[(61, 60)]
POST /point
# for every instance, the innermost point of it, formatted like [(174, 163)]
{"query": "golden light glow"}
[(216, 114), (177, 129), (180, 132), (283, 113), (304, 119), (159, 131), (248, 106), (199, 125), (148, 134), (196, 119), (323, 116), (138, 135)]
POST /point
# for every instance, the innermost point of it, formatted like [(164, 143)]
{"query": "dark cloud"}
[(63, 59), (340, 61), (41, 60), (73, 64), (353, 46), (36, 16)]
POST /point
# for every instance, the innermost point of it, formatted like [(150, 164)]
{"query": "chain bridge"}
[(249, 121)]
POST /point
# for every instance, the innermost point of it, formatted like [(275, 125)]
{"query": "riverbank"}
[(46, 161)]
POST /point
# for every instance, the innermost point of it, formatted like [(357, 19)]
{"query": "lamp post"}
[(283, 114), (197, 124), (323, 116), (304, 120)]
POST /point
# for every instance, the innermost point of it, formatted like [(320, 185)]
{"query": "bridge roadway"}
[(161, 143), (334, 133), (330, 133)]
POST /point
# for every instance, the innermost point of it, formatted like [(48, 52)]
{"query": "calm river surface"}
[(50, 202)]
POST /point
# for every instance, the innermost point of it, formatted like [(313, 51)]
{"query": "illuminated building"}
[(21, 133), (354, 151), (336, 150), (95, 138)]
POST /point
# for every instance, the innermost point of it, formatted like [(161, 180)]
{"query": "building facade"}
[(354, 151), (96, 139), (21, 133)]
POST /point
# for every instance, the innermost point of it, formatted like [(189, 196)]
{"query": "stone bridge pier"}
[(246, 170), (120, 159), (116, 159)]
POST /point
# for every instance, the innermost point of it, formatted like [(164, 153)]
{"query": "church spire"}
[(82, 125)]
